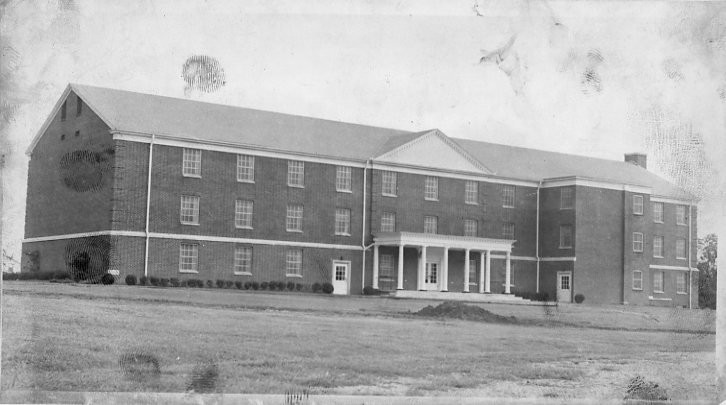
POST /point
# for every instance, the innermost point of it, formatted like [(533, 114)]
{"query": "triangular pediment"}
[(433, 149)]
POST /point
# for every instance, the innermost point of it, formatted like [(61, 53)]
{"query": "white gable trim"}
[(579, 181), (670, 200)]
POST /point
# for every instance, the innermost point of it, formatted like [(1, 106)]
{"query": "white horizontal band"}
[(664, 267), (83, 235)]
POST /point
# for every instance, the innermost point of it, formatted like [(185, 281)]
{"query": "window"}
[(79, 106), (507, 196), (342, 221), (638, 204), (431, 189), (386, 275), (565, 236), (243, 260), (388, 181), (189, 213), (293, 263), (566, 198), (637, 242), (471, 192), (680, 248), (681, 283), (388, 222), (246, 168), (192, 163), (77, 134), (343, 179), (430, 224), (293, 222), (637, 280), (63, 111), (470, 226), (295, 173), (657, 246), (658, 212), (508, 231), (658, 282), (188, 258), (472, 271), (681, 215), (243, 214)]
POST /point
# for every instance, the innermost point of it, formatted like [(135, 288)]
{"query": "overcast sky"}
[(593, 78)]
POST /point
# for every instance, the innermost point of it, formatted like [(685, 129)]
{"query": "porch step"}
[(459, 296)]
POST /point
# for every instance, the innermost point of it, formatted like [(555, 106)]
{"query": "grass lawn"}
[(70, 338)]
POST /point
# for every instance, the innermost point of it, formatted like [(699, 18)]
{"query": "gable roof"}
[(139, 113)]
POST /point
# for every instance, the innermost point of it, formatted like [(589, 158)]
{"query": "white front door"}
[(341, 274), (431, 282), (564, 286)]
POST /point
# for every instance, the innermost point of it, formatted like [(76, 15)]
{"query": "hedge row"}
[(228, 284), (58, 275)]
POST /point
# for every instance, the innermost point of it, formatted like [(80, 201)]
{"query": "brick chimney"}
[(638, 159)]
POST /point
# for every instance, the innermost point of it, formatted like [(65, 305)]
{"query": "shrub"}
[(328, 288), (228, 284), (108, 279), (61, 275), (174, 282), (290, 285), (317, 287), (264, 285), (143, 280), (220, 283), (210, 284), (248, 285), (298, 286), (164, 282), (255, 285), (579, 298), (238, 284), (183, 283), (10, 276), (272, 285), (154, 281), (280, 285), (369, 290)]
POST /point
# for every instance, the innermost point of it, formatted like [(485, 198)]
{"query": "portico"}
[(434, 262)]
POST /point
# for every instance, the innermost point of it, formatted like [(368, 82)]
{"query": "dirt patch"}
[(458, 310)]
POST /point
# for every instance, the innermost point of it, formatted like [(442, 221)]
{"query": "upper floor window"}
[(431, 189), (566, 198), (63, 110), (637, 280), (508, 196), (471, 192), (638, 204), (657, 246), (79, 106), (295, 173), (343, 179), (342, 221), (508, 230), (658, 212), (681, 215), (188, 258), (637, 242), (470, 227), (189, 213), (680, 283), (293, 222), (246, 168), (658, 282), (192, 162), (565, 236), (243, 260), (680, 248), (431, 224), (388, 183), (388, 222), (243, 214), (293, 263)]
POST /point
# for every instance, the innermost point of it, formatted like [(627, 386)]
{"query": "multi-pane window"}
[(188, 258), (565, 236), (680, 248), (243, 213), (388, 222), (471, 192), (637, 242), (681, 215), (431, 188), (293, 262), (189, 212), (243, 260), (342, 221), (508, 196), (294, 219), (79, 106), (657, 246), (566, 198), (430, 224), (246, 168), (343, 179), (681, 283), (658, 282), (658, 212), (637, 280), (470, 226), (192, 162), (508, 230), (386, 275), (63, 110), (638, 204), (388, 183), (295, 173)]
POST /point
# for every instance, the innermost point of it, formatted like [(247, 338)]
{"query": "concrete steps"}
[(460, 296)]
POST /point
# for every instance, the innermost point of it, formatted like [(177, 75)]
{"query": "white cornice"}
[(424, 171), (668, 200), (448, 241), (580, 181)]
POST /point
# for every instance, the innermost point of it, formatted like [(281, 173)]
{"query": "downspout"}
[(363, 227), (148, 205), (536, 237), (690, 243)]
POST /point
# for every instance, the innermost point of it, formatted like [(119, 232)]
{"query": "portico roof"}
[(436, 240)]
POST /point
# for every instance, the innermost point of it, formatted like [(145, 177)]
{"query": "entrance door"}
[(432, 276), (564, 286), (341, 274)]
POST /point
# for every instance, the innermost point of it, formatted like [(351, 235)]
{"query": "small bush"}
[(10, 276), (183, 283), (238, 284), (130, 279), (143, 280), (255, 285), (164, 282), (281, 285), (298, 286), (317, 287), (579, 298), (174, 282), (210, 284), (247, 285), (290, 285), (107, 279), (369, 290), (263, 285), (328, 288), (228, 284), (220, 283), (272, 286), (154, 281)]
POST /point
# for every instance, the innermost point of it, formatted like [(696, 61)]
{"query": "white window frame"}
[(342, 221), (243, 256), (431, 223), (471, 192), (679, 209), (681, 284), (660, 276), (505, 228), (509, 193), (562, 236), (680, 256), (567, 198), (638, 280), (294, 218), (658, 212), (658, 246), (344, 179), (471, 227), (638, 207), (638, 240), (188, 251), (388, 221), (389, 183), (189, 208), (192, 162), (243, 216), (245, 168), (296, 173), (431, 188), (293, 263)]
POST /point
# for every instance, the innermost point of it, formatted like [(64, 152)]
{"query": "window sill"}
[(431, 199), (681, 293), (294, 275), (657, 222), (470, 203), (657, 292), (681, 224), (188, 271), (657, 257), (193, 176), (243, 227), (680, 258), (388, 195), (246, 181), (565, 247), (342, 234), (344, 191), (294, 230), (190, 223), (566, 208), (652, 298), (242, 273), (638, 289), (640, 214), (295, 185)]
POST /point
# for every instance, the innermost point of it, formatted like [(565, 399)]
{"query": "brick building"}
[(140, 184)]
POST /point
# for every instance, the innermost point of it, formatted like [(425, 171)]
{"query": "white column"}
[(375, 266), (508, 277), (444, 286), (466, 271), (422, 268), (481, 272), (488, 277), (400, 267)]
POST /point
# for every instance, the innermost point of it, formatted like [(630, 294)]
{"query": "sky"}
[(595, 78)]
